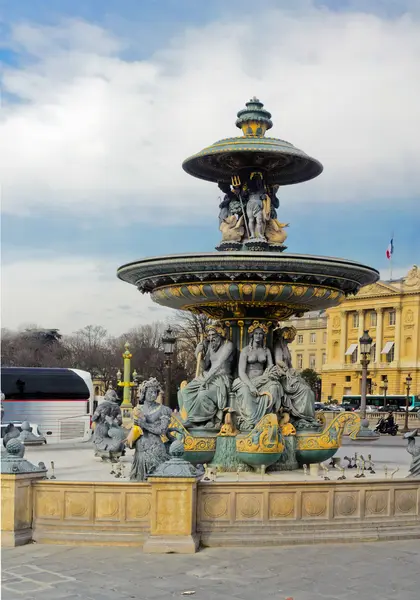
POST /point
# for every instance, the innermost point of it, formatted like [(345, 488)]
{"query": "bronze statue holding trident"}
[(236, 184)]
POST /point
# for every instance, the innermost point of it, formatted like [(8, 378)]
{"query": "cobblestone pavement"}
[(381, 571)]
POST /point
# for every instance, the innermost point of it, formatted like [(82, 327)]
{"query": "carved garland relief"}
[(345, 503), (406, 501), (48, 505), (314, 504), (282, 506), (76, 504), (409, 316), (377, 502), (248, 506), (215, 506), (137, 506), (107, 506)]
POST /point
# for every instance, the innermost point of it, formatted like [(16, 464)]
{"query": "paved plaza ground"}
[(380, 571), (76, 462)]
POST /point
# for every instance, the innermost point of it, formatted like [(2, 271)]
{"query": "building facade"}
[(390, 311), (309, 348)]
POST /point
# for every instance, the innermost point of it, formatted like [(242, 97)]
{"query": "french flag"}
[(390, 250)]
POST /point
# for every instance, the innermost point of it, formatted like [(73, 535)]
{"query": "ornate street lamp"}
[(168, 341), (385, 388), (408, 381), (318, 390), (365, 348)]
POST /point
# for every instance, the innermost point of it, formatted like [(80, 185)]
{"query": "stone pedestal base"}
[(172, 544), (16, 508), (173, 516), (11, 539)]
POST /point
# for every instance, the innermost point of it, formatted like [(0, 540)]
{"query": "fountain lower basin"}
[(228, 284)]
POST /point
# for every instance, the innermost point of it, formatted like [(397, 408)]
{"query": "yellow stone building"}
[(309, 349), (328, 341)]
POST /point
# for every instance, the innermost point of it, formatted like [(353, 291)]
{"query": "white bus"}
[(59, 401)]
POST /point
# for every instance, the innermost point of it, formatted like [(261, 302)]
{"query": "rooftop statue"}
[(202, 400), (151, 422), (109, 435), (258, 390)]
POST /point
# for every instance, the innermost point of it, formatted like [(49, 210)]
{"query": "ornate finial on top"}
[(127, 353), (254, 120)]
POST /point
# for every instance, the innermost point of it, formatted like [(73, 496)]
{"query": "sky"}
[(102, 100)]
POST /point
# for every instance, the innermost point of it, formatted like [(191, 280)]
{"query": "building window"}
[(299, 360), (348, 377), (391, 317), (354, 355), (388, 350), (312, 361), (373, 318), (390, 355), (313, 338), (324, 358), (300, 339), (373, 353), (324, 337), (355, 319)]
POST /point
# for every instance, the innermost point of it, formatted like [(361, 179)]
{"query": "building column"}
[(361, 327), (397, 336), (379, 325), (343, 338)]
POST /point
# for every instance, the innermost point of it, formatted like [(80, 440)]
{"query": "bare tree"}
[(190, 329), (93, 350)]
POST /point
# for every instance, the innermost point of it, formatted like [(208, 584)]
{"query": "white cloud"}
[(397, 273), (69, 294), (94, 131)]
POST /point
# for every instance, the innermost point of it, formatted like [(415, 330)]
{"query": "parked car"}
[(319, 406)]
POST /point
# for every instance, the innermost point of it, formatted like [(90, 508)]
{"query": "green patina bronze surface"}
[(280, 161), (248, 288)]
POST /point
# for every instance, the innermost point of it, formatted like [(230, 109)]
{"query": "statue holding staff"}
[(202, 400)]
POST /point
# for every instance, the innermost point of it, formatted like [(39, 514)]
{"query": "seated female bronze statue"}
[(258, 390)]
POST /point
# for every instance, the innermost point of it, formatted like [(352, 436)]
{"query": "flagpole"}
[(390, 260)]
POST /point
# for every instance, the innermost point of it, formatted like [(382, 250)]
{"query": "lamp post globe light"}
[(365, 349), (408, 381), (168, 342), (318, 390)]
